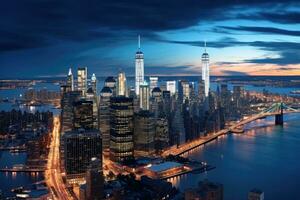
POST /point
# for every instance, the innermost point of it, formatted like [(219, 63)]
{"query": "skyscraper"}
[(171, 86), (80, 147), (153, 83), (94, 180), (139, 67), (183, 90), (205, 71), (70, 80), (121, 129), (82, 80), (104, 116), (144, 96), (94, 83), (83, 114), (121, 84)]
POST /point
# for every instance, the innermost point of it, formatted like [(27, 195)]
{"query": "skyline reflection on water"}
[(264, 157)]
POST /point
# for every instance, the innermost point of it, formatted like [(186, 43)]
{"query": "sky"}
[(43, 38)]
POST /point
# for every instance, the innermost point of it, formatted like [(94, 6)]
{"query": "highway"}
[(53, 175)]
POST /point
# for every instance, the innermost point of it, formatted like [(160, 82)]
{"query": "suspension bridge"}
[(277, 110)]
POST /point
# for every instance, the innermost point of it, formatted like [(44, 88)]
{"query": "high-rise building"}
[(183, 90), (111, 83), (94, 83), (94, 180), (121, 129), (171, 86), (205, 71), (83, 114), (144, 96), (80, 146), (256, 194), (82, 80), (139, 67), (144, 130), (153, 82), (121, 84), (161, 133), (104, 116), (70, 80), (67, 115), (92, 96)]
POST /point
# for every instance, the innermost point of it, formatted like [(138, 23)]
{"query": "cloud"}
[(49, 22), (264, 30), (278, 16)]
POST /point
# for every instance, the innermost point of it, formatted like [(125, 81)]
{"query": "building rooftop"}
[(164, 166), (106, 90), (110, 79)]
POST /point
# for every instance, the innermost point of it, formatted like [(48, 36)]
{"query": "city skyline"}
[(242, 37)]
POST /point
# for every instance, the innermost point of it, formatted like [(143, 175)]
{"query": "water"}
[(264, 157), (13, 180)]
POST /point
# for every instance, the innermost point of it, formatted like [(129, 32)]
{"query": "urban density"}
[(135, 135)]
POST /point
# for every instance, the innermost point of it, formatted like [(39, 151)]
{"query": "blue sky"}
[(45, 38)]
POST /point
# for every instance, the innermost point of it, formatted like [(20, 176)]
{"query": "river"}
[(265, 157)]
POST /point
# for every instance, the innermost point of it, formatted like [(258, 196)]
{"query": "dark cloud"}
[(47, 22), (264, 30), (233, 73), (279, 16)]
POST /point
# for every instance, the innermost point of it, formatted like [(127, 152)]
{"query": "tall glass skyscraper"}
[(121, 84), (144, 96), (139, 68), (205, 71), (70, 80), (82, 80)]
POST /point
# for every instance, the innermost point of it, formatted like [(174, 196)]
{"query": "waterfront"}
[(265, 157)]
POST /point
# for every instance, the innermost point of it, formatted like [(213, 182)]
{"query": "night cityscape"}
[(150, 100)]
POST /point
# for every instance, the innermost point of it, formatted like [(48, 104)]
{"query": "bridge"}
[(277, 110)]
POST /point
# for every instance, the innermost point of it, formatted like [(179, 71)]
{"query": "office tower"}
[(82, 80), (256, 194), (121, 84), (201, 91), (161, 133), (206, 190), (166, 96), (139, 67), (80, 146), (183, 91), (144, 96), (153, 82), (92, 96), (94, 83), (104, 116), (67, 115), (144, 130), (156, 101), (70, 80), (177, 129), (83, 114), (121, 129), (111, 83), (205, 71), (171, 86), (94, 180)]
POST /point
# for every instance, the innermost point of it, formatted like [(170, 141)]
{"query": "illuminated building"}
[(156, 101), (144, 132), (161, 133), (104, 116), (171, 86), (144, 96), (139, 67), (121, 84), (183, 90), (121, 129), (256, 194), (70, 80), (205, 71), (94, 180), (153, 82), (83, 114), (80, 146), (162, 170), (82, 80), (92, 96), (94, 83), (111, 83)]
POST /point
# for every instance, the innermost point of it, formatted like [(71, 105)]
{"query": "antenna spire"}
[(205, 46), (139, 41)]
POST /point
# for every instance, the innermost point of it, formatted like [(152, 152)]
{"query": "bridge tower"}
[(279, 117)]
